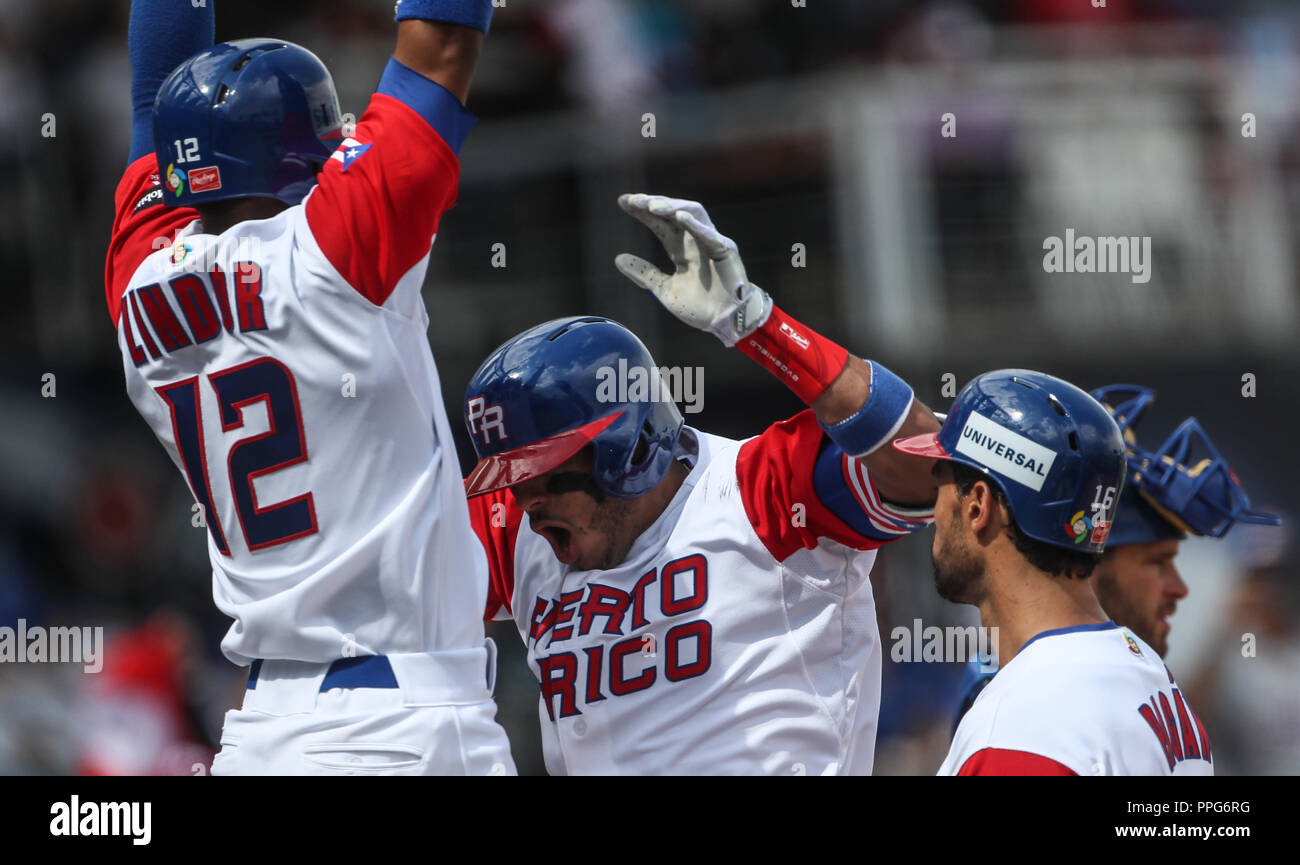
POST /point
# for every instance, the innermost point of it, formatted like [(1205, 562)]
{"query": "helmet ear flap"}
[(639, 454), (642, 451)]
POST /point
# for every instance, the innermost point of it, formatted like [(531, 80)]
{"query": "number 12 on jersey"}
[(263, 380)]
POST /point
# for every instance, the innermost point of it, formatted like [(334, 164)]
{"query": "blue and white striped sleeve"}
[(843, 485)]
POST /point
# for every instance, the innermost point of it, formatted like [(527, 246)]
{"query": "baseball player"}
[(1164, 499), (692, 604), (1030, 469), (264, 279)]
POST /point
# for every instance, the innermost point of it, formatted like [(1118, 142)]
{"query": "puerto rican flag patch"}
[(350, 151)]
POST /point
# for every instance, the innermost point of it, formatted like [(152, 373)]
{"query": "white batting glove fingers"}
[(709, 290)]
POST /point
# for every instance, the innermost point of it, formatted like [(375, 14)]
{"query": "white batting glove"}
[(709, 291)]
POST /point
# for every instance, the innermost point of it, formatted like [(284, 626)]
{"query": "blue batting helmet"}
[(555, 388), (1055, 453), (1168, 495), (249, 118)]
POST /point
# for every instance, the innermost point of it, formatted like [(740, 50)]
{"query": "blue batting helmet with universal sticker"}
[(1054, 451), (249, 118), (1169, 494), (554, 389)]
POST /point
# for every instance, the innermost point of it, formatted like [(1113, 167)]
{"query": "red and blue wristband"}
[(808, 363)]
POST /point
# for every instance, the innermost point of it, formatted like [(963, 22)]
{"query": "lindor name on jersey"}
[(1087, 700), (211, 303), (285, 367), (738, 636)]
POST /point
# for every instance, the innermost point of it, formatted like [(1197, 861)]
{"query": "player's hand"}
[(709, 289)]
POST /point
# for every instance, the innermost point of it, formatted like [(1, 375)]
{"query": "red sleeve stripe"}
[(775, 475), (863, 493), (881, 516), (498, 543), (1002, 761), (900, 514)]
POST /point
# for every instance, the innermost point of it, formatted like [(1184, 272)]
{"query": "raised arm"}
[(444, 53), (378, 202), (860, 404), (161, 34)]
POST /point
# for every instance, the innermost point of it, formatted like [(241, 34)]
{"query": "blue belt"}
[(369, 671)]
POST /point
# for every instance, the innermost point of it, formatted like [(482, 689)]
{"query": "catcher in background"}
[(1166, 497)]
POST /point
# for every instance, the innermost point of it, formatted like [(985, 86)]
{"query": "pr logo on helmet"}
[(1079, 527), (176, 180), (489, 416)]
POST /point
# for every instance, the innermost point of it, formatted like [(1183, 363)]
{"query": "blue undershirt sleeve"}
[(162, 35)]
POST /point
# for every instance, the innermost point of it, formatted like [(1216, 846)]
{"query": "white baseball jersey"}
[(1087, 700), (284, 365), (739, 634)]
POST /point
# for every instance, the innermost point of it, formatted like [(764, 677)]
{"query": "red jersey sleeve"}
[(1001, 761), (379, 198), (798, 486), (141, 225), (496, 520)]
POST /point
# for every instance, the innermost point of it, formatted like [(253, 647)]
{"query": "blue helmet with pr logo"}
[(1055, 453), (551, 391)]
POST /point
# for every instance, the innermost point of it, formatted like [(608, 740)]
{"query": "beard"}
[(612, 523), (1127, 613), (957, 572)]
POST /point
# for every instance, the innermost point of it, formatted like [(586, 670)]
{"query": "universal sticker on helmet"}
[(1008, 453)]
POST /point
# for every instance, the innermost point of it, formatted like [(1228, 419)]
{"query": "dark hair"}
[(1049, 558)]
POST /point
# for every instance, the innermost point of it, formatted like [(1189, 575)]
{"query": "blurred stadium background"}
[(816, 126)]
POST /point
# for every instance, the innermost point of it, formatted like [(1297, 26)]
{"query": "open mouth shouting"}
[(561, 538)]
